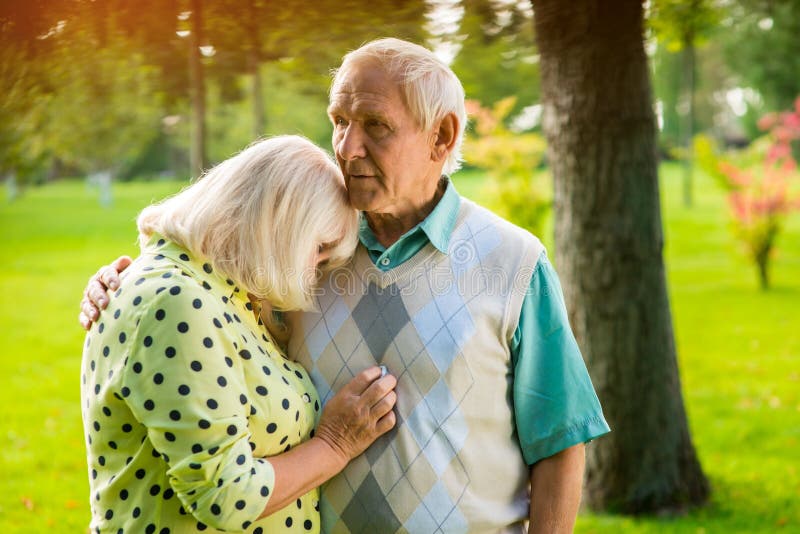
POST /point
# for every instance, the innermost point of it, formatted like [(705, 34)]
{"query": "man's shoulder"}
[(483, 224)]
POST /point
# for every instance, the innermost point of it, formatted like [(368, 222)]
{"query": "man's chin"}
[(362, 200)]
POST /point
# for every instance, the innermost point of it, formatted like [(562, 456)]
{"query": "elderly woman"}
[(195, 420)]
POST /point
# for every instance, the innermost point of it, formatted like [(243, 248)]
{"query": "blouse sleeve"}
[(183, 382)]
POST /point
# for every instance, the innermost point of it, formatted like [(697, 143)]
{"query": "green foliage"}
[(498, 56), (762, 47), (509, 160)]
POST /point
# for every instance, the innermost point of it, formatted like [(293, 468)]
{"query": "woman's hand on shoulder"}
[(359, 413), (95, 297)]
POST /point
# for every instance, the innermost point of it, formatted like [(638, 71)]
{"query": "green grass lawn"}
[(739, 353)]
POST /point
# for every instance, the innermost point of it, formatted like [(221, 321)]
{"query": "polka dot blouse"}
[(184, 399)]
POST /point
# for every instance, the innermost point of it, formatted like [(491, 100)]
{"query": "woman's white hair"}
[(431, 89), (260, 216)]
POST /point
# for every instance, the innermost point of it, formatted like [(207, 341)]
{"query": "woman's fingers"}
[(384, 405), (378, 389)]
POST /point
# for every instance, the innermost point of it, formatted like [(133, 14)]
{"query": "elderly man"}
[(494, 400)]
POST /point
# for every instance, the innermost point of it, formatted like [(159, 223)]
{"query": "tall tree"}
[(600, 127), (682, 26)]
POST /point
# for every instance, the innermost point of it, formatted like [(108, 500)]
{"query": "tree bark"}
[(601, 134), (198, 92)]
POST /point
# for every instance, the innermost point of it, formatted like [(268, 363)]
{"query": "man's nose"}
[(351, 143)]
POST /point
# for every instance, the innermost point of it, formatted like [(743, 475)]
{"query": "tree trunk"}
[(198, 92), (601, 133)]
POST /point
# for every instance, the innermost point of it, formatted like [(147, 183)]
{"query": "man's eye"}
[(339, 121)]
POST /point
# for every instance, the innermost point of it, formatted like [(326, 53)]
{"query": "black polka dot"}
[(101, 328), (122, 337), (183, 389), (140, 474), (169, 352), (215, 509), (184, 257), (205, 285), (96, 389), (207, 343), (299, 374), (125, 391), (139, 281), (166, 275), (211, 403), (195, 466), (116, 314), (148, 341), (160, 314), (169, 436), (175, 415), (307, 524), (123, 494), (285, 404), (231, 430), (109, 514), (217, 323), (127, 427), (240, 459), (155, 489), (266, 370), (149, 405), (137, 367), (271, 428), (228, 362), (243, 399), (288, 522), (197, 448), (264, 491), (299, 504), (101, 460), (136, 512), (151, 528), (240, 504), (106, 350), (168, 494), (258, 530), (201, 526), (196, 366), (183, 327), (106, 411), (221, 381), (197, 304), (261, 390), (202, 423), (245, 354), (160, 243), (158, 378), (137, 300), (175, 290), (207, 268)]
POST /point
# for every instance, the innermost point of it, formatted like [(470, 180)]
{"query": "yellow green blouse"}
[(184, 399)]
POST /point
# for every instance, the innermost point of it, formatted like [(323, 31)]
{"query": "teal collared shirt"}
[(549, 392)]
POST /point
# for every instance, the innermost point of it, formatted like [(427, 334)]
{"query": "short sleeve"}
[(183, 382), (555, 404)]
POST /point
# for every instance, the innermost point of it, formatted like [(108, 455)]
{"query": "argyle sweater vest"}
[(442, 324)]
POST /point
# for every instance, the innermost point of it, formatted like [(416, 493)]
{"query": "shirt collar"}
[(437, 226)]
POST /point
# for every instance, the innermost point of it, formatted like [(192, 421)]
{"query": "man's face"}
[(385, 157)]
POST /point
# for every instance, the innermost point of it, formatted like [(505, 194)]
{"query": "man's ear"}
[(445, 137)]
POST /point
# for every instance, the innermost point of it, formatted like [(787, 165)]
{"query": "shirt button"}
[(385, 261), (306, 397)]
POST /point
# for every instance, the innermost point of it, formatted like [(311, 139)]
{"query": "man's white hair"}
[(260, 216), (430, 88)]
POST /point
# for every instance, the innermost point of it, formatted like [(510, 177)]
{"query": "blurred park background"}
[(108, 105)]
